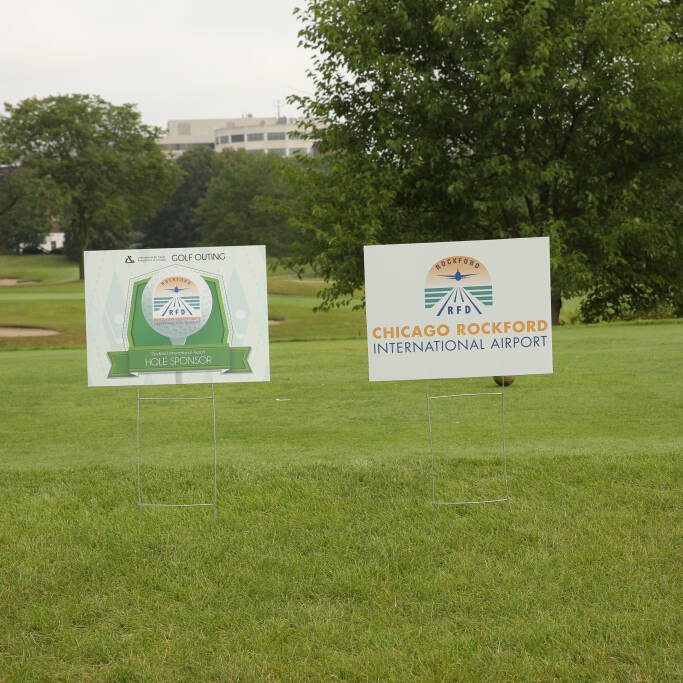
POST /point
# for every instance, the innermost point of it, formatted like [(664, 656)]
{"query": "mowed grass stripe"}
[(41, 296)]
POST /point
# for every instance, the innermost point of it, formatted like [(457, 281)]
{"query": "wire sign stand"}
[(211, 398), (500, 394)]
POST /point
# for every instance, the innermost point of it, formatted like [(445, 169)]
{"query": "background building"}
[(54, 241), (275, 135)]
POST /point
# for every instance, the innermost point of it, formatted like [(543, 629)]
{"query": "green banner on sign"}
[(179, 358)]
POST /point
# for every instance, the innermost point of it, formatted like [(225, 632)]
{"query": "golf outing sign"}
[(176, 316), (458, 309)]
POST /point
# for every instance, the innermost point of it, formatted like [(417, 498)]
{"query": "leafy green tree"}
[(103, 237), (28, 207), (508, 118), (175, 225), (104, 161), (239, 204), (336, 205), (642, 274)]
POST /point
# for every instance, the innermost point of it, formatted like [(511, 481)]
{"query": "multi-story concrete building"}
[(274, 135)]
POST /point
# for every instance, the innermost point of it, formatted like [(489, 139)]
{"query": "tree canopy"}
[(29, 208), (239, 205), (176, 223), (102, 159), (442, 120)]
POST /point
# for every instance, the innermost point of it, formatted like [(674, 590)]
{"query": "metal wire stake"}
[(138, 442), (431, 446), (214, 504), (213, 403), (505, 461)]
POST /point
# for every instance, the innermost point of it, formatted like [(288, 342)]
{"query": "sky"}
[(177, 59)]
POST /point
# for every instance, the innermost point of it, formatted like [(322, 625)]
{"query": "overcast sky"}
[(175, 59)]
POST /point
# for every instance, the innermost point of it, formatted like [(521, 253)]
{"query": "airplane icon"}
[(458, 276)]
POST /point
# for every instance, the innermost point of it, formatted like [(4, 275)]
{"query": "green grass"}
[(300, 322), (49, 269), (326, 560)]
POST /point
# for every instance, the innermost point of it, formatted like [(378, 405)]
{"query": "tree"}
[(28, 206), (104, 161), (643, 273), (508, 118), (238, 206), (176, 224)]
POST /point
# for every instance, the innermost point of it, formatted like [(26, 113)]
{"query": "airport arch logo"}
[(177, 302), (458, 285)]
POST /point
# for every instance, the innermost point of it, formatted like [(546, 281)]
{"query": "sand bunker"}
[(275, 321), (26, 332), (8, 281)]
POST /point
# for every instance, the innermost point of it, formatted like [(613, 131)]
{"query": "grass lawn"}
[(38, 268), (326, 559)]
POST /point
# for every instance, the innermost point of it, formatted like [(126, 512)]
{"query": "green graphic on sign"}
[(169, 308)]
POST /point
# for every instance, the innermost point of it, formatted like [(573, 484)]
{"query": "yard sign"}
[(176, 316), (458, 309)]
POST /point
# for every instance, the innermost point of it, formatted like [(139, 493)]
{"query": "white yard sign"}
[(458, 309), (176, 316)]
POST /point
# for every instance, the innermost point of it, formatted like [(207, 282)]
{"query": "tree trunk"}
[(82, 239), (555, 307)]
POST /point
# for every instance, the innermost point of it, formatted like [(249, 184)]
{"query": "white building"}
[(274, 135), (53, 241)]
